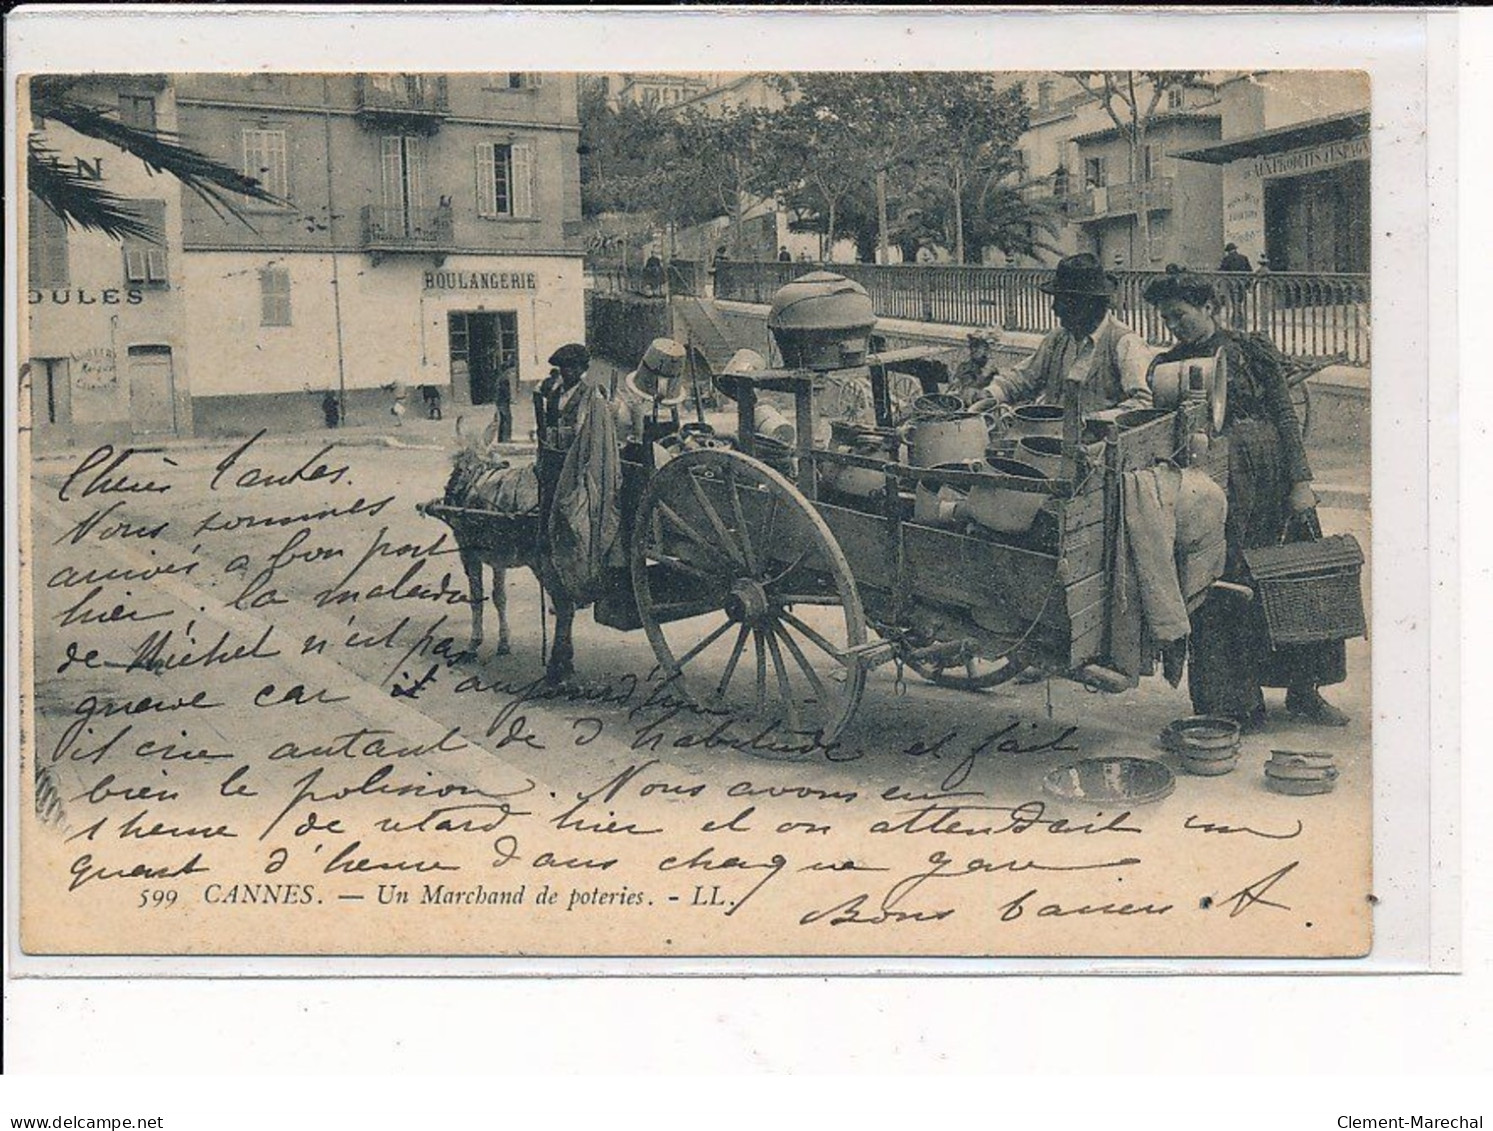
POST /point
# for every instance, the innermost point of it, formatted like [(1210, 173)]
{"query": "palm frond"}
[(159, 150), (80, 201)]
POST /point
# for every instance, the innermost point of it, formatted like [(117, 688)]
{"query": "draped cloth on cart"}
[(1171, 548), (586, 517)]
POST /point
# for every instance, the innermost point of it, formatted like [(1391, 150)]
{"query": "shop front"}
[(1298, 196)]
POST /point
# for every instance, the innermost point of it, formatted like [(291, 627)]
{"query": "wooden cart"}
[(767, 598)]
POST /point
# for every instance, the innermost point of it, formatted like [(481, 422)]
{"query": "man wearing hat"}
[(1090, 345), (972, 379), (657, 382), (557, 400), (1233, 260)]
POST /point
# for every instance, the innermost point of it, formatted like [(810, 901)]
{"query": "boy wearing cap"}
[(974, 378), (1091, 345)]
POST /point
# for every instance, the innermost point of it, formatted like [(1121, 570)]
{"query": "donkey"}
[(522, 550)]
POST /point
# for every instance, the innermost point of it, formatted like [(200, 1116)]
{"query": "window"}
[(144, 260), (265, 160), (1095, 172), (524, 80), (1044, 96), (1176, 98), (505, 180), (404, 184), (138, 110), (46, 248), (274, 296), (1060, 185), (1148, 163)]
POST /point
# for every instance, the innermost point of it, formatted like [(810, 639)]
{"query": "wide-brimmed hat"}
[(572, 356), (1081, 274), (660, 375)]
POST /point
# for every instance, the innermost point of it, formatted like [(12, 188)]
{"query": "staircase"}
[(697, 322)]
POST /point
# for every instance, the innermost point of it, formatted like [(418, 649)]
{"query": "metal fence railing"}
[(1305, 314)]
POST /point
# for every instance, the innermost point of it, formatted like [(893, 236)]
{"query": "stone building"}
[(429, 234)]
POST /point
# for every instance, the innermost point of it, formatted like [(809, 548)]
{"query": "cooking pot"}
[(1045, 453), (1036, 420), (862, 482), (1002, 508), (955, 438), (936, 404), (770, 422), (942, 505)]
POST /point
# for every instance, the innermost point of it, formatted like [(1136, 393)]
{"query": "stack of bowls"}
[(1208, 746), (1300, 774)]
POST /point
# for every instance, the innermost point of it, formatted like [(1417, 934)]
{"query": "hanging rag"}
[(586, 516), (1171, 547)]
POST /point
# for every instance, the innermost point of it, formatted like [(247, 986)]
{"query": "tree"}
[(810, 161), (89, 204), (715, 153), (872, 111), (969, 129), (1131, 99)]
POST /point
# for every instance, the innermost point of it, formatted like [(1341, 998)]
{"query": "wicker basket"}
[(1311, 591)]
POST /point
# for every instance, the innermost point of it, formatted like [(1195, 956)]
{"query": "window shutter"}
[(393, 173), (134, 265), (47, 247), (487, 205), (536, 79), (523, 179), (414, 170)]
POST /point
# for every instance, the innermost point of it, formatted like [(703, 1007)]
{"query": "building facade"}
[(1294, 160), (429, 234), (105, 329)]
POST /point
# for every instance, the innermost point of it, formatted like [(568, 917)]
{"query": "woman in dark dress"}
[(1269, 485)]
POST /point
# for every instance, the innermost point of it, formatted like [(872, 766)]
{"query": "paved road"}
[(349, 672)]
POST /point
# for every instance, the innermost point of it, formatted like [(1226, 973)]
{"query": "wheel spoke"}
[(689, 531), (687, 568), (832, 599), (738, 516), (736, 650), (727, 542), (803, 663), (703, 644), (761, 670), (785, 689), (824, 645)]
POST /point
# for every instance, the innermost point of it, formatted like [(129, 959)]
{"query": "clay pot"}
[(1002, 509), (955, 438), (1036, 420), (1045, 453), (936, 404), (821, 321)]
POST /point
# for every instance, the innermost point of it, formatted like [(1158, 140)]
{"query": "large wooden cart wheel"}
[(976, 674), (746, 597)]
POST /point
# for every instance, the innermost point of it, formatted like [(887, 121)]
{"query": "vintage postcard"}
[(857, 513)]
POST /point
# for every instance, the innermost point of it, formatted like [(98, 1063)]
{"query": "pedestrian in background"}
[(1235, 262)]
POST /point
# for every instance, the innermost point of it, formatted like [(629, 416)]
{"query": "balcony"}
[(1122, 200), (396, 231), (409, 102)]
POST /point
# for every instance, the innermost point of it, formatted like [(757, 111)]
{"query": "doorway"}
[(152, 391), (482, 343), (51, 395)]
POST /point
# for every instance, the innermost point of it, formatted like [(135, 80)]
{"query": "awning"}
[(1321, 131)]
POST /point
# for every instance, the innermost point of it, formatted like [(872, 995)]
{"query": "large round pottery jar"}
[(1037, 420), (1045, 453), (1005, 509), (821, 321), (954, 438)]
